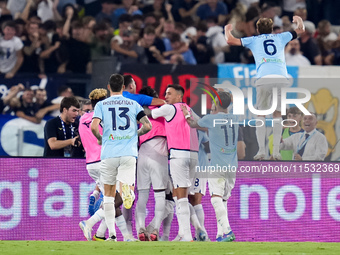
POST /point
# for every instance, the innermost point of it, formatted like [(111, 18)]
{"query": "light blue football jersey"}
[(202, 155), (119, 120), (269, 53), (222, 137)]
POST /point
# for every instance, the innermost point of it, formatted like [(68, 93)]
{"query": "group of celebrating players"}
[(170, 137)]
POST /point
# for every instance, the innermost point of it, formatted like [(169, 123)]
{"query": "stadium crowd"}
[(64, 36)]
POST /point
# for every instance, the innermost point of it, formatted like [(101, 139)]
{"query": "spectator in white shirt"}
[(310, 145), (216, 40), (16, 6), (294, 56), (11, 57)]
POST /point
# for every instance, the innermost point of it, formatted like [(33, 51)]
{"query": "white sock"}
[(140, 212), (168, 219), (219, 228), (221, 214), (277, 132), (193, 218), (176, 203), (98, 216), (183, 217), (127, 213), (159, 208), (121, 224), (180, 232), (95, 193), (151, 226), (200, 215), (261, 134), (110, 213), (101, 229), (169, 208)]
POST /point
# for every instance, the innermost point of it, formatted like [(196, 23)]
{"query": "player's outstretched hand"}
[(299, 23), (228, 28), (297, 19)]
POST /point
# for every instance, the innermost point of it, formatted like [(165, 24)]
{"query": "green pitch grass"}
[(162, 248)]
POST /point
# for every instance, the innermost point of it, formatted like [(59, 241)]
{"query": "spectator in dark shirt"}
[(107, 12), (44, 106), (92, 7), (151, 43), (100, 43), (41, 98), (79, 53), (203, 52), (157, 8), (19, 27), (213, 8), (309, 47), (137, 21), (185, 8), (150, 19), (5, 13), (127, 7), (132, 53), (51, 55), (28, 108), (175, 53), (60, 133), (32, 50), (334, 57)]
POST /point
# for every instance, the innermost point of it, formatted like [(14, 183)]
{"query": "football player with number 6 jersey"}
[(268, 52)]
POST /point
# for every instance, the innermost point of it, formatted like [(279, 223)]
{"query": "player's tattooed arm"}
[(146, 126), (95, 130), (187, 115)]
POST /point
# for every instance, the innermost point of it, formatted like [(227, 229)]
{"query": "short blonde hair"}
[(97, 94), (265, 25)]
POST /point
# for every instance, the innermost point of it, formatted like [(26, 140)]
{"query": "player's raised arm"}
[(157, 101), (191, 121), (231, 40), (300, 26)]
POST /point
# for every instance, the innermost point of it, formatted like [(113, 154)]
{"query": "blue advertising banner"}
[(20, 137)]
